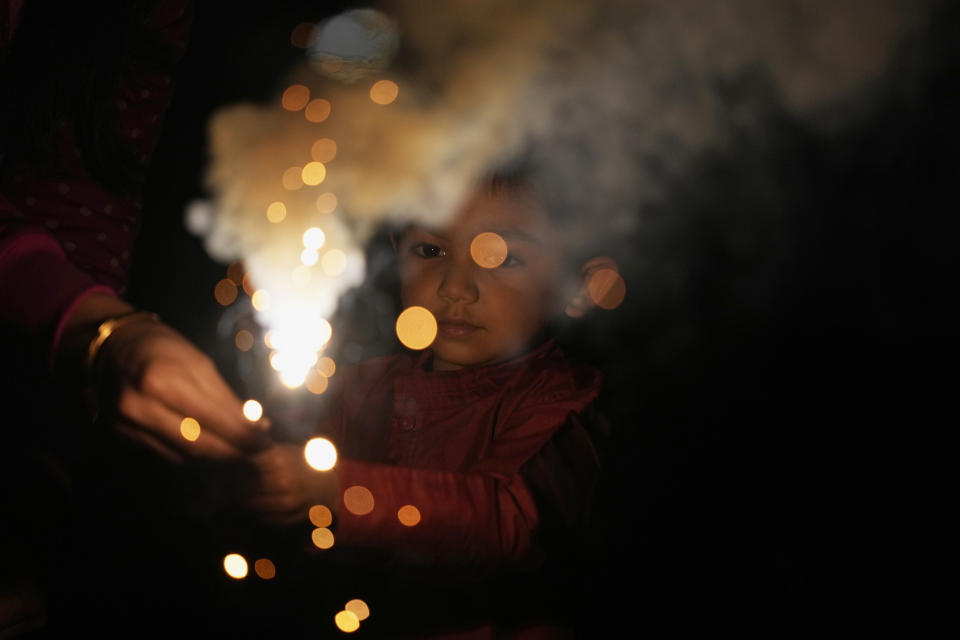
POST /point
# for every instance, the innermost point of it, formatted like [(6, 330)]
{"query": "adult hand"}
[(149, 378)]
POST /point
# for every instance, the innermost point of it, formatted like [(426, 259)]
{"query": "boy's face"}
[(484, 315)]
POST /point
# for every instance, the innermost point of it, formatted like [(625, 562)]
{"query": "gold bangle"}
[(106, 329)]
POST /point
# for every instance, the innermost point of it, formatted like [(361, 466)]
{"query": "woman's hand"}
[(149, 378), (285, 486)]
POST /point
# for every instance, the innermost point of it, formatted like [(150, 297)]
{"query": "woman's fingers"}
[(151, 416)]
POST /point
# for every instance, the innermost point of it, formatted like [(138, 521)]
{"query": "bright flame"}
[(359, 608), (322, 538), (320, 454), (384, 91), (265, 569), (488, 250), (313, 238), (190, 429), (252, 410), (408, 515), (358, 500), (416, 328), (347, 621), (235, 565), (320, 516)]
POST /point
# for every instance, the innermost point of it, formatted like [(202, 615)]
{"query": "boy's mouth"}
[(456, 328)]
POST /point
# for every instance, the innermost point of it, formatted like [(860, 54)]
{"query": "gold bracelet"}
[(106, 329)]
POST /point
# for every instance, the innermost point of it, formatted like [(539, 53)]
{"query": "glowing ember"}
[(607, 289), (295, 97), (488, 250), (243, 340), (252, 410), (408, 515), (313, 173), (324, 150), (322, 538), (326, 203), (225, 292), (320, 454), (313, 238), (190, 429), (321, 516), (347, 621), (276, 212), (358, 500), (359, 608), (265, 569), (384, 91), (416, 328), (235, 565), (318, 110)]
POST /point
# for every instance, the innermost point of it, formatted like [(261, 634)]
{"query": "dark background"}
[(785, 317)]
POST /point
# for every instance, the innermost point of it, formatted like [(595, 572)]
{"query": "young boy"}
[(479, 432)]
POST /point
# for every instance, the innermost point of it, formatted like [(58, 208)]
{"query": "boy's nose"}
[(459, 283)]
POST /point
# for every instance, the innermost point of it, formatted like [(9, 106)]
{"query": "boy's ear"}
[(582, 302)]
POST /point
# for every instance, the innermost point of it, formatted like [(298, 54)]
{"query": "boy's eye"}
[(511, 261), (427, 250)]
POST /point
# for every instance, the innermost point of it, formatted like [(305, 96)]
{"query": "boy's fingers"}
[(153, 417), (144, 438)]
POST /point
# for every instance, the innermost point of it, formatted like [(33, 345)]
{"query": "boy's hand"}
[(285, 486)]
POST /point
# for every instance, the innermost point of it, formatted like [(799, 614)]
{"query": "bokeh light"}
[(320, 454), (347, 621), (488, 250), (326, 203), (334, 262), (295, 97), (324, 150), (301, 276), (408, 515), (384, 91), (318, 110), (261, 299), (225, 292), (235, 273), (326, 366), (313, 238), (313, 173), (244, 340), (268, 339), (320, 516), (291, 377), (322, 538), (276, 212), (190, 429), (359, 608), (301, 34), (607, 289), (235, 565), (292, 178), (252, 410), (248, 284), (265, 569), (416, 328), (309, 257), (358, 500), (316, 383)]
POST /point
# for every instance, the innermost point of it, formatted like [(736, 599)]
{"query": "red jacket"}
[(469, 449)]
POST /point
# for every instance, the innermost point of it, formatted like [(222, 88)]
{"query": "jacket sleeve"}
[(541, 471)]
